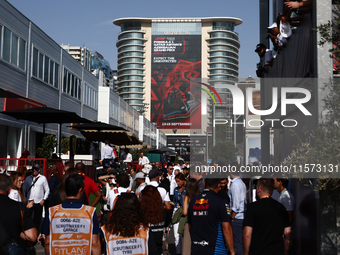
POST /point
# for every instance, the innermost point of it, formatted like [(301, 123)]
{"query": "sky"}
[(90, 23)]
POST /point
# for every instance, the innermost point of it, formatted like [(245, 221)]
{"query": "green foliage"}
[(322, 145), (65, 145), (48, 145), (223, 153), (330, 34)]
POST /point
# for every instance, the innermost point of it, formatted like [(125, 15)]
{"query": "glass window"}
[(22, 53), (41, 65), (76, 88), (56, 75), (69, 81), (65, 81), (7, 44), (46, 69), (79, 90), (130, 26), (51, 71), (73, 84), (14, 55), (35, 63), (0, 38)]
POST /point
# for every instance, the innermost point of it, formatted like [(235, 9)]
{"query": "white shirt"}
[(164, 194), (107, 152), (173, 183), (287, 199), (143, 161), (112, 195), (141, 187), (128, 157), (14, 195), (39, 190)]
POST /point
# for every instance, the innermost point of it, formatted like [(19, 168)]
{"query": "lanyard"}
[(282, 192), (265, 197)]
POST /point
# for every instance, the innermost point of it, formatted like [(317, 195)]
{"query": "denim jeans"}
[(15, 249)]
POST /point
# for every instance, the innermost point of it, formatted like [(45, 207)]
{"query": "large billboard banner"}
[(176, 64)]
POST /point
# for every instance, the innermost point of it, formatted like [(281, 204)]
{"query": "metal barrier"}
[(9, 165)]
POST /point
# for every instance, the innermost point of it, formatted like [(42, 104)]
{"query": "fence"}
[(8, 165)]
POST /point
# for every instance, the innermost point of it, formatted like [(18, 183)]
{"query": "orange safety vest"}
[(118, 245), (71, 230)]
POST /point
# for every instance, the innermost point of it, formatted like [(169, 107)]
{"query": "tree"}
[(223, 153), (322, 145), (48, 145)]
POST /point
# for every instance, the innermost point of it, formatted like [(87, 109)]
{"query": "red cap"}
[(26, 152)]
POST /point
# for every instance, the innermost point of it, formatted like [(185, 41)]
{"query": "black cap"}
[(36, 167), (153, 174), (259, 47)]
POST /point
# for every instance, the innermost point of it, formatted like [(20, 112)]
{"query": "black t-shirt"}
[(206, 213), (10, 217), (268, 218)]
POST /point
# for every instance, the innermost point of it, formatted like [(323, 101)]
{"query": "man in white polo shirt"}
[(36, 188)]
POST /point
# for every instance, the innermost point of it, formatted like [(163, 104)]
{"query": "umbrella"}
[(97, 126), (47, 115), (166, 150), (8, 94), (99, 131)]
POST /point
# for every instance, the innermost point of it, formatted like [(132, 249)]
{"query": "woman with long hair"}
[(16, 184), (191, 190), (16, 191), (179, 194), (127, 228), (155, 215)]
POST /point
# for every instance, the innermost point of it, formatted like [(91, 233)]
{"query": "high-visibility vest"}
[(119, 245), (71, 230)]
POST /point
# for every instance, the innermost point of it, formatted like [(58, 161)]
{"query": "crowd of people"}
[(139, 208), (280, 31)]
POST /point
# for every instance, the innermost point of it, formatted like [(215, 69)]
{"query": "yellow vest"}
[(71, 230), (118, 245)]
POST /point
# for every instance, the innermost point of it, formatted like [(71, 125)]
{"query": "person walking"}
[(127, 228), (209, 222), (72, 227), (191, 190), (36, 189), (267, 228), (16, 225)]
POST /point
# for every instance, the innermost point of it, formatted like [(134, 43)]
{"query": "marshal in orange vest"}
[(71, 230)]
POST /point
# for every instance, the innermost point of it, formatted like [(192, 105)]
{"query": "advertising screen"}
[(176, 64)]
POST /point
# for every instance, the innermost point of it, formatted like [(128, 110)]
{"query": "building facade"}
[(34, 66), (81, 54), (160, 62)]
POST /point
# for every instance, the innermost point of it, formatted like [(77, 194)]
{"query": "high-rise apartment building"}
[(160, 60), (100, 67), (81, 54)]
